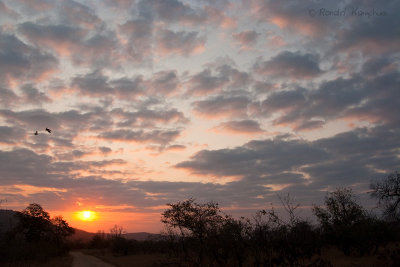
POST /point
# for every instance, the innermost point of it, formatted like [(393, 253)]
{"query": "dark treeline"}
[(201, 234), (34, 238)]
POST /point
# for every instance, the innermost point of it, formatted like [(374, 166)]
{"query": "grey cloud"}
[(99, 47), (65, 125), (204, 82), (93, 84), (243, 126), (262, 87), (11, 135), (33, 95), (381, 102), (105, 150), (38, 118), (290, 65), (7, 97), (165, 82), (225, 76), (306, 125), (148, 118), (255, 159), (294, 18), (284, 100), (369, 95), (19, 60), (246, 39), (371, 34), (128, 88), (176, 11), (180, 42), (222, 106), (346, 159), (71, 12), (22, 166), (156, 136), (237, 79), (377, 65), (51, 34), (96, 84), (7, 12), (139, 33)]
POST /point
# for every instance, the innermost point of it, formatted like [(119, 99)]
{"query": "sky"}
[(155, 101)]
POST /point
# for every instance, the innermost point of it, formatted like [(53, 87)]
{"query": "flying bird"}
[(47, 129)]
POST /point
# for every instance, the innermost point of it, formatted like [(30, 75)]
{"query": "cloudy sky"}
[(156, 101)]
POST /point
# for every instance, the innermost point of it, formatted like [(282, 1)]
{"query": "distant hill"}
[(86, 236), (8, 220), (81, 235), (142, 236)]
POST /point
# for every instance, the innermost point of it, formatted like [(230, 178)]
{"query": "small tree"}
[(99, 240), (61, 230), (34, 223), (118, 242), (387, 191), (194, 220), (341, 219), (341, 209)]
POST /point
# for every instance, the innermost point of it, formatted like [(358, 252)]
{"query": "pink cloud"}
[(37, 5), (8, 12), (179, 43), (246, 39), (292, 17), (176, 148), (219, 18), (275, 41)]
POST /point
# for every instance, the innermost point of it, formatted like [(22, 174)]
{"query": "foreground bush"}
[(35, 237)]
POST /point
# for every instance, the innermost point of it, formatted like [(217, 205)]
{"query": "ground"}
[(83, 260)]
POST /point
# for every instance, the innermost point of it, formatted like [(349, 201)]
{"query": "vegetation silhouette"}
[(387, 191), (201, 234), (35, 237)]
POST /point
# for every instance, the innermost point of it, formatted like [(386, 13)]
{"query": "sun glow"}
[(87, 215)]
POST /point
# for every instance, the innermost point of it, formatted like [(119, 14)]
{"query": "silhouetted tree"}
[(34, 223), (387, 191), (35, 237), (61, 230), (118, 243), (99, 240), (341, 209), (193, 220), (282, 242), (341, 219)]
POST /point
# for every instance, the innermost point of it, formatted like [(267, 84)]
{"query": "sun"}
[(87, 215)]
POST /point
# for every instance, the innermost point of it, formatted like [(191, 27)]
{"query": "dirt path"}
[(83, 260)]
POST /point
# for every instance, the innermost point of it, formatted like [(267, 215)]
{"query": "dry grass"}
[(332, 255), (62, 261), (145, 260), (381, 258)]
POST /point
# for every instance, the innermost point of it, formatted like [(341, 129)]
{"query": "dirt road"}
[(83, 260)]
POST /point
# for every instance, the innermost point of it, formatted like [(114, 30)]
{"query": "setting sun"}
[(87, 215)]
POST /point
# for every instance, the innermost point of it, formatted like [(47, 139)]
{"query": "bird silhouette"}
[(36, 133), (47, 129)]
